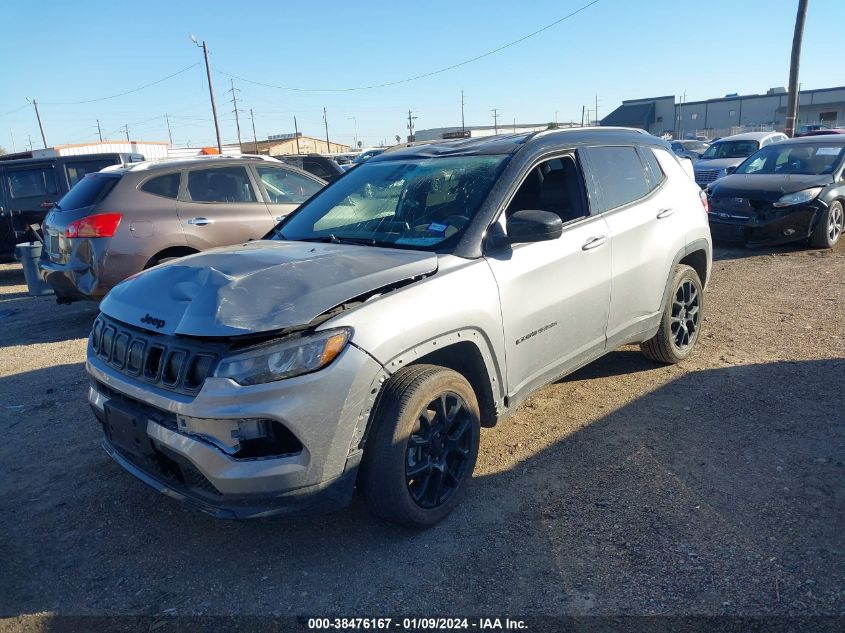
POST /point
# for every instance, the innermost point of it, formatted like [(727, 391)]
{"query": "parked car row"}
[(316, 353), (789, 191), (730, 151), (29, 187), (131, 217)]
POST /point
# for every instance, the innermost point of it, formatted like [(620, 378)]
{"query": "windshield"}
[(731, 149), (794, 159), (422, 204)]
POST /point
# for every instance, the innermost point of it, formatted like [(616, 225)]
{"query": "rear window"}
[(619, 173), (90, 190), (166, 186), (655, 172), (76, 171)]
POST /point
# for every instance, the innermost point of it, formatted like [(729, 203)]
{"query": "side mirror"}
[(730, 170), (530, 225)]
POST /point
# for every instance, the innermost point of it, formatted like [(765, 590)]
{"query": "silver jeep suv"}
[(366, 340)]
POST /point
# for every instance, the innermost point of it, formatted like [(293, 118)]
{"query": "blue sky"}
[(62, 52)]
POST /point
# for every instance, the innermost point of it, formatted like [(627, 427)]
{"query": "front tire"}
[(422, 449), (681, 321), (829, 227)]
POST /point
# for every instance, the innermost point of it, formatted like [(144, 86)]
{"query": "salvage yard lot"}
[(713, 487)]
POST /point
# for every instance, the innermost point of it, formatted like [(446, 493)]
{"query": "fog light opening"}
[(264, 438)]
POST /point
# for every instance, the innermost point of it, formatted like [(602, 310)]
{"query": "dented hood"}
[(258, 287)]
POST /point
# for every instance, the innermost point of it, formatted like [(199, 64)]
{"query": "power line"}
[(15, 110), (424, 75), (121, 94)]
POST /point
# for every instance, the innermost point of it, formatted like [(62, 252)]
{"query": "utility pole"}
[(40, 126), (514, 125), (463, 127), (326, 123), (254, 137), (204, 47), (355, 123), (794, 62), (169, 133), (29, 138), (495, 112), (14, 149), (411, 120), (126, 129), (296, 134), (582, 115), (99, 131), (234, 92), (597, 110)]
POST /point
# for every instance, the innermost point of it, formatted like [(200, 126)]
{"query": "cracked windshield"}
[(421, 204)]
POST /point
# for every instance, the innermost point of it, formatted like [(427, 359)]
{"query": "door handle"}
[(200, 221), (594, 242), (664, 213)]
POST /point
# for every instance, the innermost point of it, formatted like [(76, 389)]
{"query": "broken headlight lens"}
[(294, 356)]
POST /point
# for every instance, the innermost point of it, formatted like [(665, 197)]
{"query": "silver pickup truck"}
[(370, 335)]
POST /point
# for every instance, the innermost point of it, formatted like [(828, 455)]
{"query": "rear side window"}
[(224, 184), (166, 186), (90, 190), (619, 175), (317, 168), (286, 187), (76, 171), (653, 169), (37, 181)]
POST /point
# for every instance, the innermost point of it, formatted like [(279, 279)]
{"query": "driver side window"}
[(554, 185)]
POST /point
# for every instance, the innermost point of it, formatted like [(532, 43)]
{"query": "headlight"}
[(799, 197), (294, 356)]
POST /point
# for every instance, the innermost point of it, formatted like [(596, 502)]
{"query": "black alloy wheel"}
[(685, 315), (437, 457)]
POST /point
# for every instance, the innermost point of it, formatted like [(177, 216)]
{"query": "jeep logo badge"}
[(150, 320)]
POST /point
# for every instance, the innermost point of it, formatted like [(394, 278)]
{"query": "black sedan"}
[(785, 192)]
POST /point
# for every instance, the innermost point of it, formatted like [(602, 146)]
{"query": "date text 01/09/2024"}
[(411, 624)]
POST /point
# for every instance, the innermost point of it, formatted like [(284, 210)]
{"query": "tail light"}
[(705, 202), (100, 225)]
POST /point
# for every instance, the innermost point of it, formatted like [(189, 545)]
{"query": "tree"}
[(3, 151)]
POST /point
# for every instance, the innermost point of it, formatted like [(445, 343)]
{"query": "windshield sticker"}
[(434, 227), (419, 241), (824, 151)]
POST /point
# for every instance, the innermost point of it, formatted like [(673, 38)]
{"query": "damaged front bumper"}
[(766, 227), (152, 433)]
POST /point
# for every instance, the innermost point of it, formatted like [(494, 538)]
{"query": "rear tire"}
[(422, 448), (829, 227), (681, 321)]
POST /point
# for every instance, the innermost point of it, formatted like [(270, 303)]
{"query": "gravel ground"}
[(713, 487)]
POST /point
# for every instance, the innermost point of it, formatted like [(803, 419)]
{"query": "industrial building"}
[(731, 114), (280, 144), (151, 150)]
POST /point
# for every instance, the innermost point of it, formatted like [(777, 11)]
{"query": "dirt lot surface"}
[(713, 487)]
